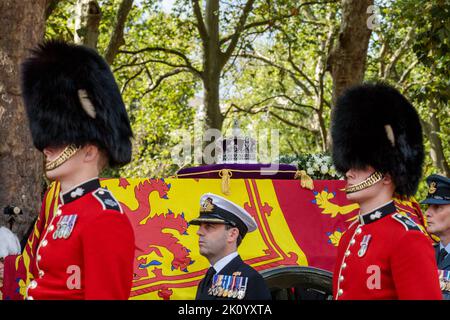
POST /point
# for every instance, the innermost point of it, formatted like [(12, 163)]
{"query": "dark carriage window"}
[(299, 293), (299, 283)]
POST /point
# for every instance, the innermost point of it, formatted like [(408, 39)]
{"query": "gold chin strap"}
[(370, 181), (65, 155)]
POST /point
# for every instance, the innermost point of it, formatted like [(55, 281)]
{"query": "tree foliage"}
[(277, 75)]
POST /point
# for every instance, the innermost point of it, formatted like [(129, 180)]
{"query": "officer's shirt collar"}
[(219, 265), (447, 247), (377, 213), (80, 190)]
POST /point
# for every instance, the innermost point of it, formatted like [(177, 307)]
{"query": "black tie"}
[(442, 255), (209, 274)]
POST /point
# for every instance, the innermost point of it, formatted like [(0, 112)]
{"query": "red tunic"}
[(89, 257), (384, 255)]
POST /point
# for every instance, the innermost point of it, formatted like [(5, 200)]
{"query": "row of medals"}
[(234, 286), (65, 227), (444, 279)]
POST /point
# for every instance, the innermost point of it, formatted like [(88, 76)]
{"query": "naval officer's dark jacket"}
[(256, 288), (443, 265)]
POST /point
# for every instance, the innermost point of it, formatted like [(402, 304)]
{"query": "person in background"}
[(438, 224), (9, 245)]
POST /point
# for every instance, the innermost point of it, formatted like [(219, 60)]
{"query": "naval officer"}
[(222, 227)]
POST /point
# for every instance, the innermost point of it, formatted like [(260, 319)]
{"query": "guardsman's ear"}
[(91, 153), (387, 179)]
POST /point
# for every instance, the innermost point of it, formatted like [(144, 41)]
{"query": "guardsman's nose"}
[(349, 174)]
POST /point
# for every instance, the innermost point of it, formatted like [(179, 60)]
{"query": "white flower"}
[(310, 171), (324, 169), (333, 171)]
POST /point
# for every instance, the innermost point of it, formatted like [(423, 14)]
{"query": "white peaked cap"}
[(232, 208)]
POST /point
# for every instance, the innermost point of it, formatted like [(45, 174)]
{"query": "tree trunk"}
[(347, 61), (214, 117), (325, 46), (21, 169), (87, 22), (214, 59), (436, 150), (117, 39), (211, 66)]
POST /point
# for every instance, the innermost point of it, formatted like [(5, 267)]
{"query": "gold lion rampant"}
[(322, 199), (335, 237)]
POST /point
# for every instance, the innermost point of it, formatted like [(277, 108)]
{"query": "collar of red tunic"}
[(80, 190), (377, 213)]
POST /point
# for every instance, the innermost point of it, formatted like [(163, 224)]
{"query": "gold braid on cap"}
[(65, 155), (368, 182)]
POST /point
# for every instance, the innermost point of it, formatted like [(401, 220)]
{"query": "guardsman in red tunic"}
[(377, 143), (84, 244)]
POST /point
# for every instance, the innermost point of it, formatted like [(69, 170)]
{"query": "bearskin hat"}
[(71, 97), (375, 125)]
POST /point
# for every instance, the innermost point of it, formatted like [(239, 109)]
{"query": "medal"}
[(59, 227), (211, 289), (444, 280), (364, 244), (242, 289), (69, 227), (219, 286), (65, 226), (225, 287), (238, 285), (230, 293)]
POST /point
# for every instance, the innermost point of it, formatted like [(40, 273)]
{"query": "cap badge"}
[(207, 206), (432, 188)]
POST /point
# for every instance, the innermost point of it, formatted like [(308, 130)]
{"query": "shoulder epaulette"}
[(407, 222), (107, 200)]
